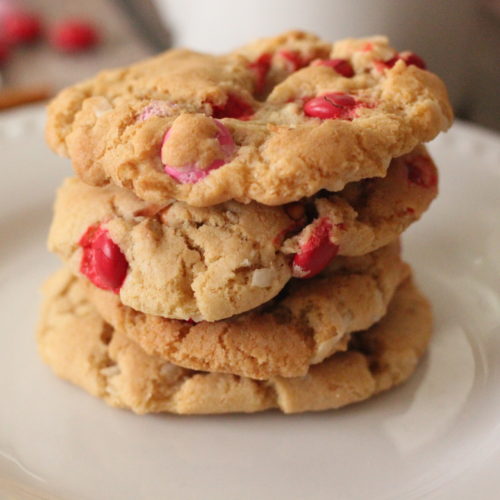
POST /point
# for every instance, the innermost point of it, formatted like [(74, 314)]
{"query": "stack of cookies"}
[(231, 239)]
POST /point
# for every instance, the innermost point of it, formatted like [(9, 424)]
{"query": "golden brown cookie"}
[(306, 323), (273, 122), (82, 348), (211, 263), (181, 262)]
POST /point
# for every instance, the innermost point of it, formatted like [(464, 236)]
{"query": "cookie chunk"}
[(369, 214), (306, 323), (81, 347), (211, 263), (275, 121)]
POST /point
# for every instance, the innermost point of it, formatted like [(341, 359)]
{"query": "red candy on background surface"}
[(332, 105), (74, 35), (261, 67), (18, 26), (102, 262), (422, 172), (235, 107), (316, 253), (4, 52), (341, 66)]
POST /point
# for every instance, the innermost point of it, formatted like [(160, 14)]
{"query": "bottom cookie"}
[(81, 347)]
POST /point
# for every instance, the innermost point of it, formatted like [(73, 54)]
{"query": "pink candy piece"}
[(156, 108), (191, 174), (341, 66), (332, 105)]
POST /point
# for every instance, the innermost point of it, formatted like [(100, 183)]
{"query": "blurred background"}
[(48, 44)]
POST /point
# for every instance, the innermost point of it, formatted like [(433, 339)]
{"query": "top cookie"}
[(274, 121)]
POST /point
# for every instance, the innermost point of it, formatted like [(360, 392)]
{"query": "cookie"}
[(81, 347), (306, 323), (273, 122), (211, 263), (180, 262)]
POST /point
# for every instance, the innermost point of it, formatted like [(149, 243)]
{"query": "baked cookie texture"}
[(306, 323), (231, 240), (183, 262), (215, 262), (81, 347), (273, 122)]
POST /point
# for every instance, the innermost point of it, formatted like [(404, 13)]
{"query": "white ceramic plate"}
[(438, 436)]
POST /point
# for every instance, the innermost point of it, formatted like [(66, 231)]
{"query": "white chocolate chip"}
[(325, 348), (101, 106), (262, 278)]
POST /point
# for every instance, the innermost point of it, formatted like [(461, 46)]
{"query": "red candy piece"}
[(293, 58), (412, 59), (332, 105), (409, 58), (316, 253), (235, 107), (20, 27), (74, 36), (341, 66), (261, 67), (103, 262), (422, 172)]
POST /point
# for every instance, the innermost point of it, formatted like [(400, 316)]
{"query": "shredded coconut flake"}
[(298, 272), (168, 370), (324, 349), (110, 371)]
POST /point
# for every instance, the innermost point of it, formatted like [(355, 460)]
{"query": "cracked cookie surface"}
[(214, 262), (275, 121), (309, 321), (81, 347), (183, 262)]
